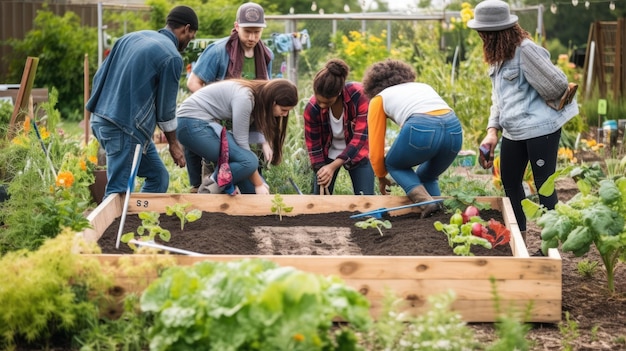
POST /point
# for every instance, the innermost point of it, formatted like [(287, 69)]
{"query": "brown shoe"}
[(419, 194)]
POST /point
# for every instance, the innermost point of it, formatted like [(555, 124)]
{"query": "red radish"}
[(477, 229), (470, 211)]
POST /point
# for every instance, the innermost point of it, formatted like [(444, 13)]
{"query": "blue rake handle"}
[(378, 213)]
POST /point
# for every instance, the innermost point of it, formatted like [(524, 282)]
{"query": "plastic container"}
[(609, 129)]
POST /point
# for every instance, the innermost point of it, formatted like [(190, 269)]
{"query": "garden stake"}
[(378, 213), (43, 146), (131, 184), (293, 184), (163, 247)]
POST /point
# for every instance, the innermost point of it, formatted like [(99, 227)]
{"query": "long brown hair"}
[(267, 93), (499, 46)]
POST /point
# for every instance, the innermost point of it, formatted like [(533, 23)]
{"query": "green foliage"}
[(251, 304), (180, 210), (569, 331), (460, 236), (6, 110), (60, 43), (279, 207), (148, 230), (594, 216), (373, 222), (510, 327), (440, 328), (51, 292), (462, 192), (587, 268)]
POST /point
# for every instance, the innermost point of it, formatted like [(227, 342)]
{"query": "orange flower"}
[(83, 165), (298, 337), (93, 159), (26, 125), (65, 179)]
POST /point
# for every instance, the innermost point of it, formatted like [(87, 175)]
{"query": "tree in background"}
[(61, 44)]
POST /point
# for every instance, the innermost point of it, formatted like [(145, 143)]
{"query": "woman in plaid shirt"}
[(335, 121)]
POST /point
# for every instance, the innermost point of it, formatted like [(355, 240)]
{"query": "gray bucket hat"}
[(491, 16)]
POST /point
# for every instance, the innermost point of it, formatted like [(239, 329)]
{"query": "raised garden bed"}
[(520, 279)]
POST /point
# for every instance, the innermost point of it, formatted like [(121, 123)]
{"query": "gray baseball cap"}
[(251, 15)]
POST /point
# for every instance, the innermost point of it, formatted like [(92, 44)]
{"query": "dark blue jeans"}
[(429, 142)]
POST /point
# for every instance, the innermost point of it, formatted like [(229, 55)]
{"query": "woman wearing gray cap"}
[(531, 101)]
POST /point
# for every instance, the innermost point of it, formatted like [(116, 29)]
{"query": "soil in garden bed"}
[(311, 234)]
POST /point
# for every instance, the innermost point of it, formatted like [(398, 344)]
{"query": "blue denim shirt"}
[(212, 65), (137, 85), (517, 107)]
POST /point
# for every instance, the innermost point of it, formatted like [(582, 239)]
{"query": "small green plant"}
[(372, 222), (148, 229), (510, 326), (279, 207), (587, 268), (569, 331), (180, 210)]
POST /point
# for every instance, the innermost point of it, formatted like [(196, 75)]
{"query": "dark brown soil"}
[(598, 318), (217, 233)]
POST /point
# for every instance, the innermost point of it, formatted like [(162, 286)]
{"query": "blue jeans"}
[(120, 145), (429, 142), (362, 177), (201, 141)]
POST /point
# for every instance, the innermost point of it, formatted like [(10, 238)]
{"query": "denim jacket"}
[(518, 107), (212, 65), (137, 85)]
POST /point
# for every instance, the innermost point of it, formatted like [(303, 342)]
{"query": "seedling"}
[(180, 210), (148, 229), (374, 223), (279, 207)]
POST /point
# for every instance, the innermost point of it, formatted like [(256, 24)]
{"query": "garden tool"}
[(293, 184), (378, 213), (131, 185), (154, 245)]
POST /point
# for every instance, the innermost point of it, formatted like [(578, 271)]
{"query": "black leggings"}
[(514, 157)]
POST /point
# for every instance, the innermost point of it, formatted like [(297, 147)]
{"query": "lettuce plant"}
[(251, 304), (594, 216)]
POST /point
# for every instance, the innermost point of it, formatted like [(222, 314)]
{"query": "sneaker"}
[(209, 186)]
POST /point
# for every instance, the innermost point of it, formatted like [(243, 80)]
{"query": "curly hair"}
[(499, 46), (331, 79), (384, 74), (267, 92)]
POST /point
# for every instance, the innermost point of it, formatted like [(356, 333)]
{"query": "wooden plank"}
[(521, 280), (23, 95)]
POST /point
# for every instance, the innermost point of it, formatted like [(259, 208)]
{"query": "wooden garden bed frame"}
[(521, 280)]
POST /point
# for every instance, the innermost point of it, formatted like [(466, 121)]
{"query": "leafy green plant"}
[(587, 268), (180, 210), (148, 230), (279, 207), (510, 327), (460, 237), (51, 292), (251, 304), (373, 222), (594, 216)]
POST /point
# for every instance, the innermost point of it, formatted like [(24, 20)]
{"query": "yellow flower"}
[(92, 159), (44, 133), (83, 165), (65, 179), (566, 153), (298, 337)]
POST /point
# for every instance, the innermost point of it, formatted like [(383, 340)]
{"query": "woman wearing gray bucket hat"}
[(531, 101)]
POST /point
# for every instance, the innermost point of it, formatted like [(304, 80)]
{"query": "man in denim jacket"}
[(240, 55), (135, 90)]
